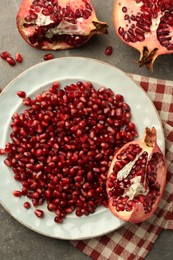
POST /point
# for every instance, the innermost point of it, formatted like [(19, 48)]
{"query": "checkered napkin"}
[(135, 241)]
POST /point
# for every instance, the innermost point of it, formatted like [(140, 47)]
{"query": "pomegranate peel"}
[(136, 179), (145, 26), (54, 25)]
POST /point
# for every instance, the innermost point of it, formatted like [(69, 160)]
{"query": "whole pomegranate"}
[(136, 179), (58, 24), (147, 26)]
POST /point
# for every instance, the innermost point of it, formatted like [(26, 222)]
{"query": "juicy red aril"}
[(4, 55), (21, 94), (39, 213), (108, 50), (62, 145), (17, 193), (58, 219), (2, 151), (48, 56), (11, 61), (27, 205), (18, 57), (54, 87)]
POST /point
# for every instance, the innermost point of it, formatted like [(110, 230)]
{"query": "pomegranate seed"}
[(48, 56), (21, 94), (17, 193), (24, 189), (18, 57), (39, 213), (11, 61), (27, 101), (7, 162), (54, 87), (27, 205), (58, 219), (108, 50), (4, 55), (2, 152), (78, 212)]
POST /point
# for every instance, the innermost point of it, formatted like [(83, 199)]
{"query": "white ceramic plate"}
[(36, 79)]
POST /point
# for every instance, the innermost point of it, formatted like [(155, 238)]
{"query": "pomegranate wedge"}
[(136, 179), (147, 26), (58, 24)]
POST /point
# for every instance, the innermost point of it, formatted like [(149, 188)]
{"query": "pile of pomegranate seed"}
[(11, 61), (62, 144)]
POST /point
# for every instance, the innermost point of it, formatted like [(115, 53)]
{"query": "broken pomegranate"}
[(136, 179), (58, 24), (21, 94), (147, 26), (11, 61)]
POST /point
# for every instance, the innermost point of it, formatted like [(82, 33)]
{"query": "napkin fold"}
[(134, 241)]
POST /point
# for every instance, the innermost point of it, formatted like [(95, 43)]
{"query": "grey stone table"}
[(16, 241)]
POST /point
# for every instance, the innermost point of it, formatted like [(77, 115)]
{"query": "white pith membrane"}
[(42, 19), (64, 27), (136, 187)]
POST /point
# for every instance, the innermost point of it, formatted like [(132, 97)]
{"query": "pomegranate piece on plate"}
[(54, 25), (146, 26), (136, 179)]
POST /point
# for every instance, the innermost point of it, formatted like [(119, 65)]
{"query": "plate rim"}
[(43, 63)]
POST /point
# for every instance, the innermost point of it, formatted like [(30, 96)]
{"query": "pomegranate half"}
[(136, 179), (58, 24), (146, 25)]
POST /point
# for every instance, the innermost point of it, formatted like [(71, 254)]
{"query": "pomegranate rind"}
[(150, 48), (84, 27), (137, 214)]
